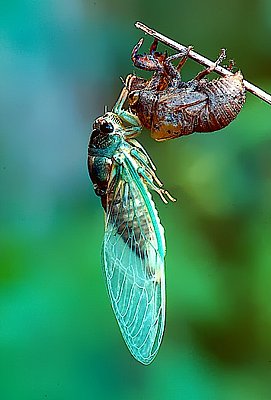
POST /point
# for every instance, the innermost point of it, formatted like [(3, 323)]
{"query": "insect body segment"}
[(134, 246), (171, 108)]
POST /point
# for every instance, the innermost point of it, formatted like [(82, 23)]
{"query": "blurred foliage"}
[(60, 64)]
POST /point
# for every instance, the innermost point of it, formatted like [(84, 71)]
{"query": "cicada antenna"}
[(123, 81)]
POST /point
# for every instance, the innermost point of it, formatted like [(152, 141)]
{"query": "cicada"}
[(170, 108), (133, 249)]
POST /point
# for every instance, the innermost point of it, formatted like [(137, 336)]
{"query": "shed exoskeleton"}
[(170, 108)]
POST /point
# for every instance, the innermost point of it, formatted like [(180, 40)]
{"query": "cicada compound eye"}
[(106, 127)]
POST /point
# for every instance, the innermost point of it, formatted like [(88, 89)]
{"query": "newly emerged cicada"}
[(133, 249), (170, 108)]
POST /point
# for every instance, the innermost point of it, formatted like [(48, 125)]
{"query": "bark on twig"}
[(203, 61)]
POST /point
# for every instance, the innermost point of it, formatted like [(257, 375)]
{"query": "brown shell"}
[(170, 108), (205, 106)]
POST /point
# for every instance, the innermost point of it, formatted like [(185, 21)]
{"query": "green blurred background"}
[(60, 65)]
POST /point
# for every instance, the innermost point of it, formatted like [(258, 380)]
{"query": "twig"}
[(202, 60)]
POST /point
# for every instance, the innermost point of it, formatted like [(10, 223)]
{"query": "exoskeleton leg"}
[(153, 46), (127, 117), (184, 59), (149, 62), (231, 65), (208, 70), (174, 72)]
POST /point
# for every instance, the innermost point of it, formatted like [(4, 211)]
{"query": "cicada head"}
[(106, 130), (103, 144)]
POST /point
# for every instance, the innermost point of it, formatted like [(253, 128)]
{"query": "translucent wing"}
[(133, 254)]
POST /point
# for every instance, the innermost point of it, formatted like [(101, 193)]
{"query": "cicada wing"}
[(133, 255)]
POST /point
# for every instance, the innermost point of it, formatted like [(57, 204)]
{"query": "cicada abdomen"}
[(225, 98)]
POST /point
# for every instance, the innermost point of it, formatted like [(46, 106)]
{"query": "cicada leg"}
[(145, 160), (141, 149), (162, 192), (171, 70), (131, 131), (127, 117), (149, 62), (153, 46), (147, 166), (208, 70), (118, 107), (182, 54), (231, 65), (148, 173), (184, 58)]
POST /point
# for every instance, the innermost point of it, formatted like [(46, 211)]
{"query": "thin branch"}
[(202, 60)]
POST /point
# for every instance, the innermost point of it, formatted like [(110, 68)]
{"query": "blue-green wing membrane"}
[(133, 255)]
